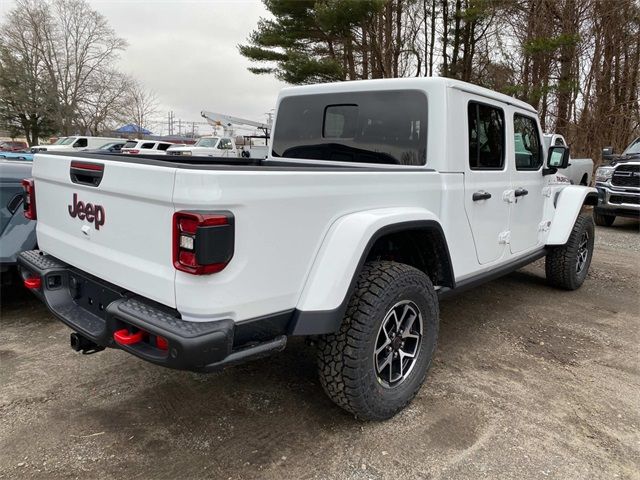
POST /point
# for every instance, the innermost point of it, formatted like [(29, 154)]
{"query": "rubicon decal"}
[(87, 211)]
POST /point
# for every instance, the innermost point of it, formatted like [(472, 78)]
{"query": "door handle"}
[(481, 195), (521, 192)]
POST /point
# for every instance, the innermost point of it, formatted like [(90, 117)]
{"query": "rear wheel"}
[(567, 266), (375, 364), (603, 220)]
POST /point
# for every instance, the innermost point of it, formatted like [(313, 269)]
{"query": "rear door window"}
[(163, 146), (486, 137), (148, 146), (385, 127)]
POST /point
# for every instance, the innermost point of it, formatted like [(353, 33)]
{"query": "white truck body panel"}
[(132, 248)]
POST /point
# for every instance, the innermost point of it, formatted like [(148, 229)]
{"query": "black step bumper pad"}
[(97, 309)]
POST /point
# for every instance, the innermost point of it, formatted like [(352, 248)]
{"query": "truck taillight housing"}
[(29, 201), (203, 242)]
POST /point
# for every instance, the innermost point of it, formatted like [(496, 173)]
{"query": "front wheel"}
[(376, 363), (567, 266)]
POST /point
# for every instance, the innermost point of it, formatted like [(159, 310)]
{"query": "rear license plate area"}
[(92, 295)]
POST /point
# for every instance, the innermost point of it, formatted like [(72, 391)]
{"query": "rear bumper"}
[(621, 202), (97, 309)]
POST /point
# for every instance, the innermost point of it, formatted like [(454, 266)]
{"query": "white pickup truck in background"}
[(580, 170), (210, 146), (377, 199)]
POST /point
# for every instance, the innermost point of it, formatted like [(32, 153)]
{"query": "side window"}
[(148, 146), (225, 144), (486, 137), (163, 146), (527, 143), (80, 143)]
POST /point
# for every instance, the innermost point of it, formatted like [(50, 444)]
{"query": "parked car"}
[(145, 147), (17, 155), (212, 146), (13, 146), (74, 143), (618, 184), (111, 147), (17, 233), (377, 199), (580, 170)]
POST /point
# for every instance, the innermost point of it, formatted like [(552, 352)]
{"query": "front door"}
[(527, 184), (486, 179)]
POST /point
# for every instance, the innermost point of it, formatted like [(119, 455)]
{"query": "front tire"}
[(603, 220), (376, 363), (567, 266)]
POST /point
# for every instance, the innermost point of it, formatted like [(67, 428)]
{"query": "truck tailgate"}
[(126, 238)]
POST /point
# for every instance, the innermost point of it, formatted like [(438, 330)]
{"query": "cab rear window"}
[(387, 127)]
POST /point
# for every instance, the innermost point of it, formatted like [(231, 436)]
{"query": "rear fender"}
[(343, 252), (568, 203)]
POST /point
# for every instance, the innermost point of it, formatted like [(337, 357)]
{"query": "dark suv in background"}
[(618, 184)]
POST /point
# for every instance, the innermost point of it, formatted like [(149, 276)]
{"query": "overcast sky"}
[(186, 52)]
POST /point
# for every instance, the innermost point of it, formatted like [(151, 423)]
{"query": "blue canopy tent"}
[(132, 128)]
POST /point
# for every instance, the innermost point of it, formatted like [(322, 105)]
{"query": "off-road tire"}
[(561, 262), (346, 358), (603, 220)]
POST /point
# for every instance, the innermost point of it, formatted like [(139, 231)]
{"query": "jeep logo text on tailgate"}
[(89, 212)]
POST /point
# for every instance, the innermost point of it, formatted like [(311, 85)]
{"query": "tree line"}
[(576, 61), (58, 73)]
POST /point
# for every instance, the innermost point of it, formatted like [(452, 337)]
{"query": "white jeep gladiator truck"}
[(377, 199)]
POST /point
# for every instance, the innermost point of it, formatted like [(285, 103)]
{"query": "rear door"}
[(486, 178), (118, 228)]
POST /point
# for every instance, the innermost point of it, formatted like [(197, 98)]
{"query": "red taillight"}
[(29, 198), (202, 242), (132, 152)]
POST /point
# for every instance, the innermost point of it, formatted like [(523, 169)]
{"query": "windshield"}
[(207, 142), (130, 144), (67, 141), (634, 148), (60, 140)]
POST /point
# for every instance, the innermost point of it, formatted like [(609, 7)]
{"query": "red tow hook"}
[(124, 337), (33, 283)]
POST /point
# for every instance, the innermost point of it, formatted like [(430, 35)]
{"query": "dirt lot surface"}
[(528, 382)]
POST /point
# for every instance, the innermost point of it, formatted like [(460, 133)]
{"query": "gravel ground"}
[(528, 382)]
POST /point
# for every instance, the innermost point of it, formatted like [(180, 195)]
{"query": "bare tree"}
[(76, 45), (27, 97), (140, 105), (105, 103)]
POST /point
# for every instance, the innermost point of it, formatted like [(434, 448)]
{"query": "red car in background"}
[(13, 146)]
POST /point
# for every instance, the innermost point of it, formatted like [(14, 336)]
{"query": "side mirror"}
[(557, 158)]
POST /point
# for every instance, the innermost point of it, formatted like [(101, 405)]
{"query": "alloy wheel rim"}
[(398, 343), (583, 252)]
